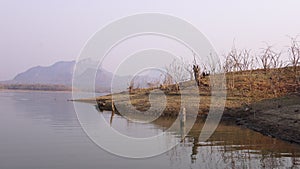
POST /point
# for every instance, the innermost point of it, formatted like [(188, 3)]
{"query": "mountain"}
[(60, 74)]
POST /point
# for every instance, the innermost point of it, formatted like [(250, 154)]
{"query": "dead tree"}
[(130, 87), (266, 59), (270, 62), (178, 70), (294, 57), (232, 64), (189, 69), (196, 70)]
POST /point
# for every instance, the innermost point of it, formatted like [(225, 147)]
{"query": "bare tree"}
[(270, 61), (246, 60), (130, 86), (189, 68), (196, 70), (238, 60), (269, 58), (227, 66), (294, 57), (294, 53), (276, 73), (232, 64), (178, 70)]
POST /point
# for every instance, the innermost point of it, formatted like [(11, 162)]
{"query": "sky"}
[(40, 32)]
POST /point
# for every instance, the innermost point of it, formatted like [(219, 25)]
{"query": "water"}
[(39, 130)]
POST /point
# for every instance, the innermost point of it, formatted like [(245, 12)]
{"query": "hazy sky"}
[(40, 32)]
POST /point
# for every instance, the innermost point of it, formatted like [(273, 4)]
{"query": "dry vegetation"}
[(253, 81), (249, 78), (263, 76)]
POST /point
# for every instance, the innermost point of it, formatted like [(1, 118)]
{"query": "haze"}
[(43, 32)]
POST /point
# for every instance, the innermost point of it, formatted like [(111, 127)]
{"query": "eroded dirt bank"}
[(277, 117)]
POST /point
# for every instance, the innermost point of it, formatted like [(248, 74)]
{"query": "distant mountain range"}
[(58, 73), (61, 73)]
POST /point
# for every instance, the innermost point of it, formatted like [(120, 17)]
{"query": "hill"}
[(59, 77)]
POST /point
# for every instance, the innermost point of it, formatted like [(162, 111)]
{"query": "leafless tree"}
[(294, 53), (269, 58), (189, 68), (294, 57), (196, 70), (130, 86), (233, 63), (270, 61), (178, 70), (247, 60)]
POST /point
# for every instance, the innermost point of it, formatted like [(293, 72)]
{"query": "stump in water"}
[(182, 117), (113, 106)]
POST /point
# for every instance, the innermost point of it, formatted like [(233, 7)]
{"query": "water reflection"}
[(229, 147), (58, 110), (40, 130)]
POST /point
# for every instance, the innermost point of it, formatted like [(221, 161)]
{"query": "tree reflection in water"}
[(229, 147)]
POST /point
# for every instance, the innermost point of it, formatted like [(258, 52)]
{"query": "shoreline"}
[(275, 117), (28, 90)]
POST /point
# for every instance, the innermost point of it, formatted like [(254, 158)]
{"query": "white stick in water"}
[(183, 115)]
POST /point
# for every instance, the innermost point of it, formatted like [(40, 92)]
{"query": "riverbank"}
[(277, 117), (264, 101)]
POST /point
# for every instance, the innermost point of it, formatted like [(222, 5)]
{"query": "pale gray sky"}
[(40, 32)]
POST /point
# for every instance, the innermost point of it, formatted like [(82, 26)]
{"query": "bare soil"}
[(277, 117)]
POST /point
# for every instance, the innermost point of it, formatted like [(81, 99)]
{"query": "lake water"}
[(40, 130)]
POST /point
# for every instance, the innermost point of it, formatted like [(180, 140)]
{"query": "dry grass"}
[(249, 87)]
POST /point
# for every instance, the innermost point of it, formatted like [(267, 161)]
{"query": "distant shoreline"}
[(42, 87), (23, 90), (36, 87)]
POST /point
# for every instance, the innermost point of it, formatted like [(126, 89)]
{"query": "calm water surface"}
[(39, 130)]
